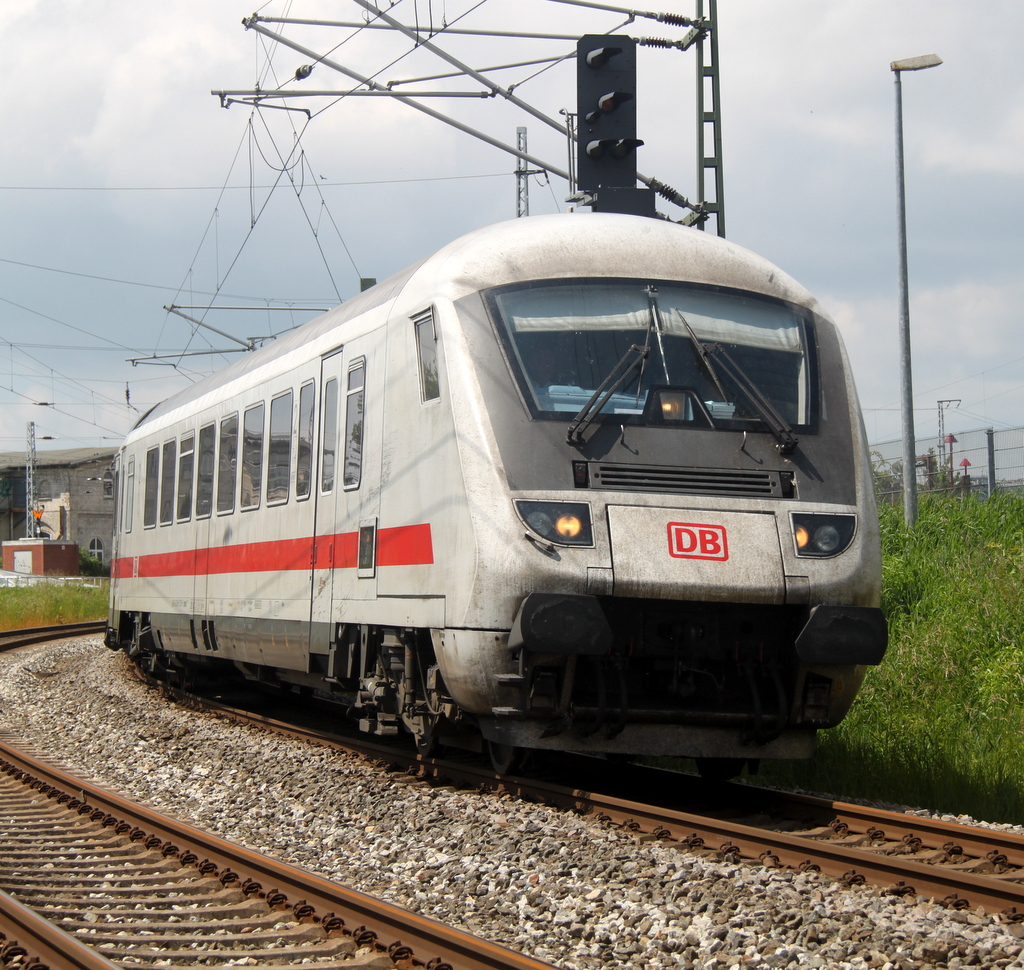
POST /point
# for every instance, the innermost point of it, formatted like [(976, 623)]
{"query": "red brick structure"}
[(41, 557)]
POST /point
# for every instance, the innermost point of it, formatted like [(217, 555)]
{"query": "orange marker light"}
[(568, 526), (802, 536)]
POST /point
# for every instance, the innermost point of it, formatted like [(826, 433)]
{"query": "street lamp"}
[(906, 387)]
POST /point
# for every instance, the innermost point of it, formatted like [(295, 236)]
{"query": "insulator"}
[(675, 19), (655, 42)]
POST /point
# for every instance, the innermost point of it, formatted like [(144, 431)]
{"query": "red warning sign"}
[(692, 540)]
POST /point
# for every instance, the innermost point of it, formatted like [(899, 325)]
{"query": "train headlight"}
[(568, 526), (566, 523), (820, 536)]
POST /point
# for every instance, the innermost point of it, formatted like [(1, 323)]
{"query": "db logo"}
[(688, 540)]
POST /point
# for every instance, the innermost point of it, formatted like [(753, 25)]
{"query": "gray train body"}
[(585, 482)]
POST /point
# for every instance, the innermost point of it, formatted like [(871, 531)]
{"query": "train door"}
[(203, 627), (348, 487), (328, 553)]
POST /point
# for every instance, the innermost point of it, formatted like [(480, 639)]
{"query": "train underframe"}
[(727, 683)]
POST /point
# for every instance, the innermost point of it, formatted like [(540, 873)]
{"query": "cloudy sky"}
[(126, 187)]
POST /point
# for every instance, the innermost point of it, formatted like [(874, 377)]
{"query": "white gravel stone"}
[(565, 889)]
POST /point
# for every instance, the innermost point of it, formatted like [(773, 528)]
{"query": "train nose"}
[(713, 556)]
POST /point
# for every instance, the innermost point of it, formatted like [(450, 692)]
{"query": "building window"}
[(96, 549), (108, 484)]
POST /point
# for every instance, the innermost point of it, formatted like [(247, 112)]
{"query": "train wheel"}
[(505, 758), (719, 769)]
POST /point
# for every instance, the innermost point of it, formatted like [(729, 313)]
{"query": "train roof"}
[(538, 247)]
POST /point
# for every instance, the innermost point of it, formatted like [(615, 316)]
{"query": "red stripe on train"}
[(409, 545)]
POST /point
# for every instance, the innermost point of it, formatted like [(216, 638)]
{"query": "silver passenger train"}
[(590, 482)]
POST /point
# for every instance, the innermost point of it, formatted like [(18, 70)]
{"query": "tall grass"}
[(939, 724), (46, 604)]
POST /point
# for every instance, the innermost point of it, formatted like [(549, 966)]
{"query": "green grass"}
[(939, 724), (46, 604)]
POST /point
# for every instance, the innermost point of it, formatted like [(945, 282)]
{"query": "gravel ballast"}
[(565, 889)]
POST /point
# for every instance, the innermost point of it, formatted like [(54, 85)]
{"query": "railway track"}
[(145, 890), (957, 865), (12, 639)]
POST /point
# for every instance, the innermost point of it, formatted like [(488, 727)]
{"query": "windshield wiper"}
[(590, 410), (702, 352), (639, 354), (777, 424)]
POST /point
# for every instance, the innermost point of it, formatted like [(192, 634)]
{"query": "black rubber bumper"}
[(843, 635), (563, 623)]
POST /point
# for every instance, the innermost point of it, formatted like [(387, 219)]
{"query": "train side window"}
[(426, 355), (207, 463), (354, 425), (129, 495), (304, 462), (167, 483), (279, 457), (228, 465), (330, 444), (186, 467), (152, 486), (252, 456)]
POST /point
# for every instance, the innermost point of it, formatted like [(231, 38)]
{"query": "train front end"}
[(695, 568)]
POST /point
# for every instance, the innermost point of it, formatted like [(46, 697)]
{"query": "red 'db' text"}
[(691, 540)]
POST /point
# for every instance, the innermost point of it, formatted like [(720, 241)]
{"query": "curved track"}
[(144, 889), (959, 866)]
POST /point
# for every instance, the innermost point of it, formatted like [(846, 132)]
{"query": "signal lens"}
[(566, 523), (819, 536)]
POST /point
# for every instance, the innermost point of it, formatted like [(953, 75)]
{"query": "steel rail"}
[(39, 938), (12, 639), (758, 844), (427, 938)]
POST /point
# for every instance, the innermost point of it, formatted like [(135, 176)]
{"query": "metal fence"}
[(972, 463)]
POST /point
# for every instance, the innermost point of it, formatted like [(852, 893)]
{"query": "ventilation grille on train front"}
[(701, 481)]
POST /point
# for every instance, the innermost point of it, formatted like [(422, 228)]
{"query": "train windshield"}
[(658, 353)]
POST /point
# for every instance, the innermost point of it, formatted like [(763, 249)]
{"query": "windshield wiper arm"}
[(592, 408), (702, 352), (777, 424)]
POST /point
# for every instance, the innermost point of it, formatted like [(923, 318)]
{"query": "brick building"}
[(74, 488)]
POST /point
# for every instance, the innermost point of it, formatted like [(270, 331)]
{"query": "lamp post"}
[(906, 385)]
